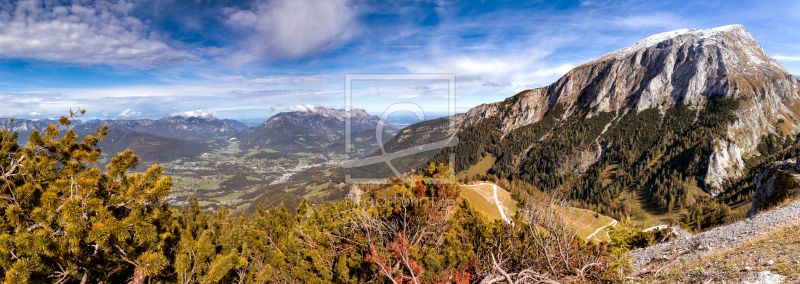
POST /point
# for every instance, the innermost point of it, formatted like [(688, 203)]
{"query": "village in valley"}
[(232, 177)]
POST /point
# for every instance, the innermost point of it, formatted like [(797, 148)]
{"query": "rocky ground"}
[(761, 249)]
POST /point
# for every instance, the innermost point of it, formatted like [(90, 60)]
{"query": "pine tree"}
[(67, 221)]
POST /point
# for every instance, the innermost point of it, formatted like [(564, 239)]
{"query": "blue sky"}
[(252, 59)]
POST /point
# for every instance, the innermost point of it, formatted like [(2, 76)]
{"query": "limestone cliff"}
[(684, 66)]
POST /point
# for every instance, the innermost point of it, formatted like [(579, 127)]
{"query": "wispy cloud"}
[(99, 33), (786, 58), (302, 108), (128, 113), (282, 29), (196, 113), (292, 79), (278, 80), (497, 84), (661, 20)]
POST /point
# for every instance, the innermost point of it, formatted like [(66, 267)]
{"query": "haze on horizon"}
[(252, 59)]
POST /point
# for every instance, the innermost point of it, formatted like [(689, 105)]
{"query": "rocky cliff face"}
[(679, 67), (780, 180)]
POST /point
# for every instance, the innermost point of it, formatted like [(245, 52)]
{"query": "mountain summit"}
[(329, 120), (687, 67)]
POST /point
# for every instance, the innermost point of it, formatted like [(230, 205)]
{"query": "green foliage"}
[(771, 144), (706, 213), (786, 187), (275, 198), (67, 222), (625, 237), (474, 140), (153, 148)]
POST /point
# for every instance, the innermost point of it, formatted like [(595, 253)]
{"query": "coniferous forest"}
[(658, 155)]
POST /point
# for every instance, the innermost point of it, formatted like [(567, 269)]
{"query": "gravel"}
[(722, 238), (764, 277)]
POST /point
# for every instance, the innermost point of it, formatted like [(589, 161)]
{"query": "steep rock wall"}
[(683, 66)]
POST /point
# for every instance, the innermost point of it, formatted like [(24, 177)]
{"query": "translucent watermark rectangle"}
[(409, 105)]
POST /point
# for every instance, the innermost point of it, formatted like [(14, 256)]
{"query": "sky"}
[(249, 60)]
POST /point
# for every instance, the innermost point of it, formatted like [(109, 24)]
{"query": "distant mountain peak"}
[(656, 39), (359, 118), (331, 112), (315, 128)]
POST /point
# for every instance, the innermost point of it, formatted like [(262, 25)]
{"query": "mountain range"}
[(317, 130), (180, 127), (321, 130)]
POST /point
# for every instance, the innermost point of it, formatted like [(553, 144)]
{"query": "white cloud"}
[(513, 69), (302, 108), (128, 113), (786, 58), (196, 113), (656, 20), (33, 113), (293, 28), (98, 33), (281, 79), (291, 79)]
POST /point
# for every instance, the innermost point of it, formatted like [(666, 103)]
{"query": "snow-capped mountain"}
[(679, 67)]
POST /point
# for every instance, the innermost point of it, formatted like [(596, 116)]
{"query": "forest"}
[(657, 155)]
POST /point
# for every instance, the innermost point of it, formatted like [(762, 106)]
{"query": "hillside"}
[(771, 258), (490, 199), (737, 251), (152, 148), (411, 139), (667, 125), (498, 204)]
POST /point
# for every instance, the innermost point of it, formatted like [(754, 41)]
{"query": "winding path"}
[(613, 223), (496, 201)]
